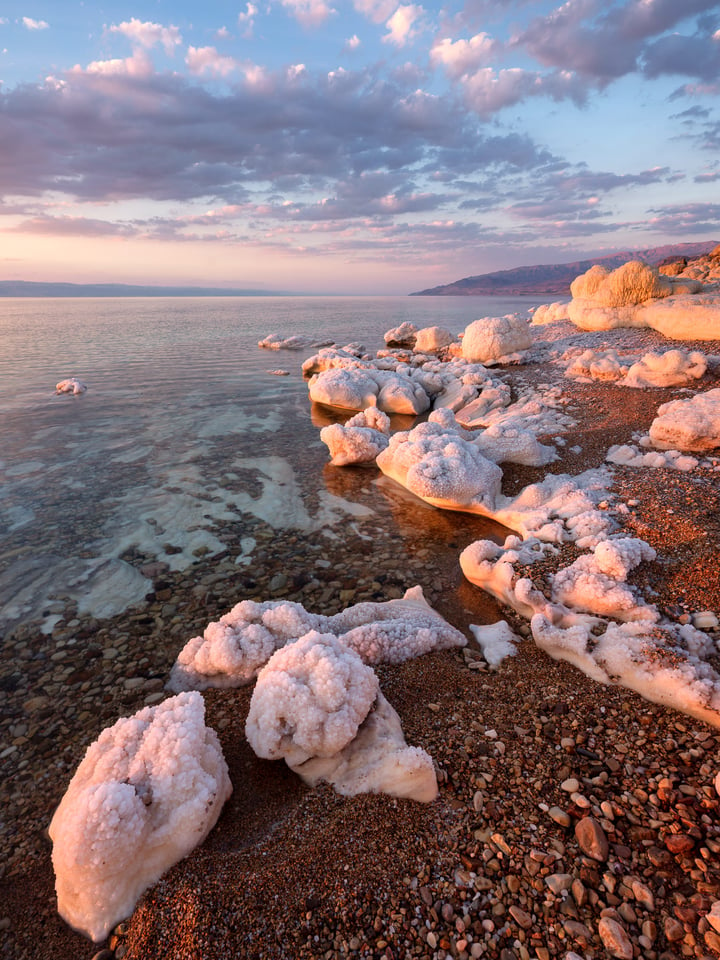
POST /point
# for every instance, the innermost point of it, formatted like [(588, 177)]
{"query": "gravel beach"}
[(573, 819)]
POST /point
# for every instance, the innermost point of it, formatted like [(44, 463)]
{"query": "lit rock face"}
[(147, 792)]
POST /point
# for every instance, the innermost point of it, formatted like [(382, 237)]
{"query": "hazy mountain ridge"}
[(555, 278), (31, 288)]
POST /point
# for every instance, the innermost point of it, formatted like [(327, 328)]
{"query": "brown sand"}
[(493, 867)]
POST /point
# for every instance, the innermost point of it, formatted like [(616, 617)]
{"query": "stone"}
[(615, 939), (560, 816), (592, 839)]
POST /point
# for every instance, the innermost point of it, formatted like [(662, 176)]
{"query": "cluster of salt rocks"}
[(152, 786)]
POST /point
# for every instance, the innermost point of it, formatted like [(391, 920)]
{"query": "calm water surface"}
[(183, 424)]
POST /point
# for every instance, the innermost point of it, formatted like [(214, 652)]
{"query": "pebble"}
[(560, 816), (592, 839), (615, 939)]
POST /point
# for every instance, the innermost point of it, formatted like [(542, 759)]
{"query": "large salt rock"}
[(636, 295), (432, 339), (673, 368), (147, 792), (359, 440), (494, 337), (688, 424), (402, 336), (232, 650), (318, 707), (351, 389), (442, 468), (633, 282)]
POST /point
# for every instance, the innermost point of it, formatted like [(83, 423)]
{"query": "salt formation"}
[(318, 707), (73, 385), (432, 339), (443, 464), (692, 424), (442, 468), (550, 312), (493, 338), (596, 365), (299, 342), (358, 388), (496, 640), (147, 792), (637, 295), (232, 650), (402, 336), (663, 662), (359, 440), (673, 368), (629, 456)]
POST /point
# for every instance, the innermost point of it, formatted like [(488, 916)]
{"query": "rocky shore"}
[(573, 819)]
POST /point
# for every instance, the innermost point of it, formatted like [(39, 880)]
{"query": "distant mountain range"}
[(28, 288), (554, 279)]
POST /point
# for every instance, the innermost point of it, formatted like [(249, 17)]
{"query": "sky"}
[(350, 146)]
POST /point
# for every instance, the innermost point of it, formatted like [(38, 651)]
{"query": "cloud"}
[(378, 11), (73, 227), (138, 65), (352, 43), (31, 24), (691, 218), (461, 57), (116, 130), (310, 13), (207, 60), (401, 25), (148, 35), (696, 56), (487, 91)]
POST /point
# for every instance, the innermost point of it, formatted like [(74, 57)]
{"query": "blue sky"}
[(366, 147)]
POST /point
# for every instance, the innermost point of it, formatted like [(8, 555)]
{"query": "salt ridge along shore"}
[(572, 817)]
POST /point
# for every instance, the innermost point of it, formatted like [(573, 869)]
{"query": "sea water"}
[(185, 423)]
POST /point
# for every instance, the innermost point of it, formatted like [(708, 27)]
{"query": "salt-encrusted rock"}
[(550, 312), (319, 707), (494, 337), (402, 336), (596, 365), (615, 938), (359, 440), (232, 650), (72, 385), (496, 640), (432, 339), (672, 368), (592, 839), (692, 424), (633, 282), (442, 468), (147, 792)]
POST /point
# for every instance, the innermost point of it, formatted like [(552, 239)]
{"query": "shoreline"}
[(373, 874)]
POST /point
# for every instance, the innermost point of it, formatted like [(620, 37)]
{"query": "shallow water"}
[(183, 428)]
